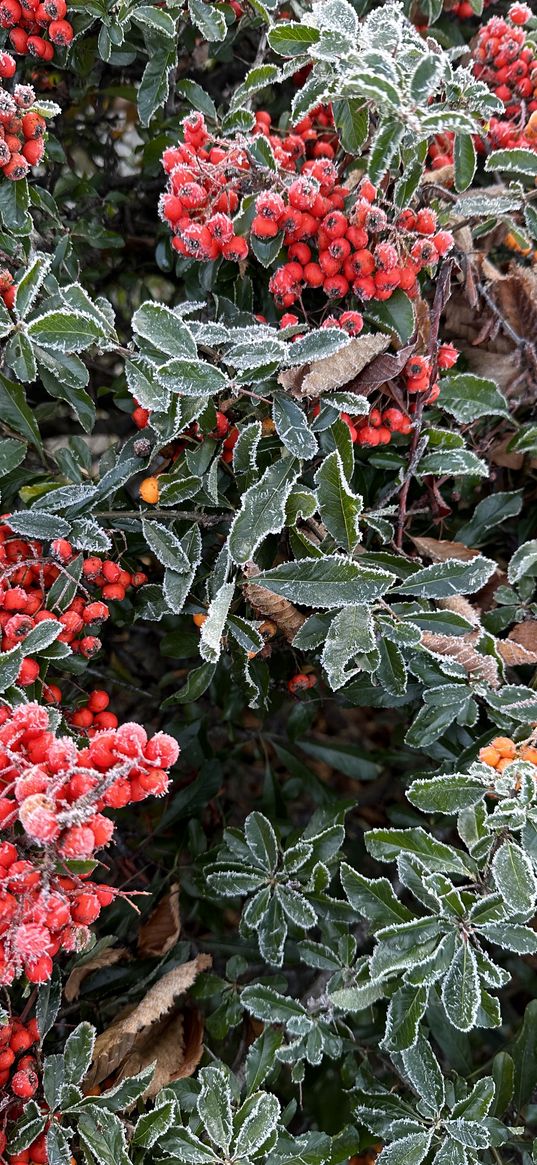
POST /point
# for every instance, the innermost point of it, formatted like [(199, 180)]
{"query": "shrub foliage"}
[(268, 553)]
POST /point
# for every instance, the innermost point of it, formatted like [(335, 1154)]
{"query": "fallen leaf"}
[(106, 958), (175, 1045), (525, 634), (162, 929), (382, 369), (440, 550), (286, 617), (334, 371), (515, 654), (461, 648), (131, 1029)]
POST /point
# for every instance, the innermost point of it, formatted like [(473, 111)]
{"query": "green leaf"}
[(523, 561), (156, 19), (262, 841), (450, 1153), (405, 1011), (387, 844), (58, 1147), (192, 378), (214, 1107), (503, 1074), (446, 794), (31, 282), (455, 462), (461, 989), (12, 453), (197, 683), (199, 98), (351, 633), (332, 581), (516, 161), (384, 148), (339, 507), (16, 413), (155, 84), (255, 1123), (453, 577), (425, 1074), (514, 879), (153, 1124), (211, 22), (410, 1150), (213, 628), (290, 39), (468, 397), (425, 78), (24, 1131), (465, 159), (292, 427), (262, 510), (164, 330), (166, 546), (524, 1055), (10, 662), (78, 1052), (490, 512), (396, 314), (373, 897), (48, 1003), (351, 118), (260, 1059), (65, 331), (103, 1135)]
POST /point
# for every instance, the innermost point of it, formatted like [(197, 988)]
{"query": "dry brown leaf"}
[(445, 176), (525, 634), (439, 549), (160, 933), (116, 1043), (106, 958), (515, 655), (334, 371), (461, 648), (382, 369), (286, 617)]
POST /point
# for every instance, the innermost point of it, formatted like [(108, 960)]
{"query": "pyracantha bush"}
[(267, 453)]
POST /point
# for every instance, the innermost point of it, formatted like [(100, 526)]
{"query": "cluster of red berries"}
[(340, 251), (58, 792), (506, 63), (203, 192), (28, 575), (18, 1069), (92, 716), (464, 10), (328, 246), (31, 22), (378, 427), (22, 130)]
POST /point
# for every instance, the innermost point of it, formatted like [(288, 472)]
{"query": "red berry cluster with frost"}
[(36, 26), (506, 62), (57, 793), (28, 574), (378, 427), (22, 133), (329, 246), (204, 185), (464, 10), (18, 1069)]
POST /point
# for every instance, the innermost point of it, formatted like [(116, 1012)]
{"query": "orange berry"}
[(268, 629), (529, 753), (149, 490), (198, 619), (489, 756), (502, 764), (505, 746)]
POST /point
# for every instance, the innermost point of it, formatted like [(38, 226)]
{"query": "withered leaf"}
[(383, 368), (286, 617), (461, 648), (175, 1045), (106, 958), (440, 549), (515, 654), (334, 371), (118, 1041), (526, 635), (162, 929)]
